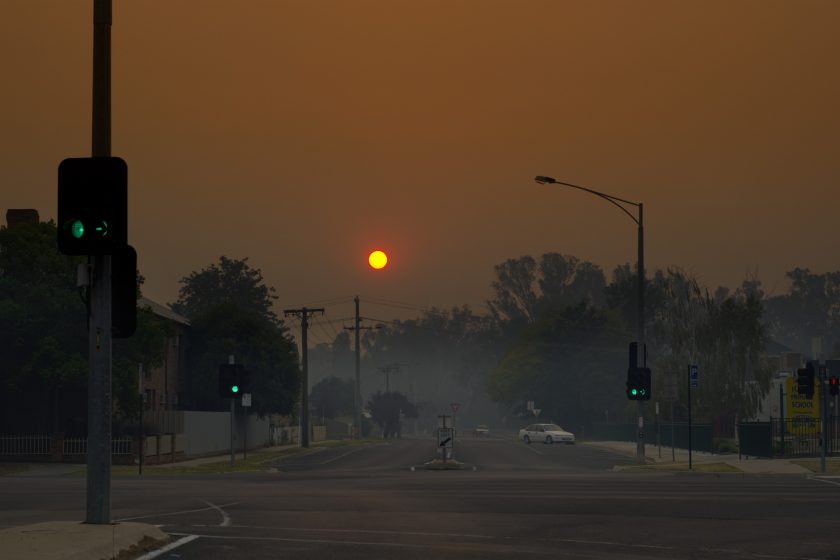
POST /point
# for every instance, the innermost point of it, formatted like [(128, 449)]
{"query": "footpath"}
[(72, 540), (677, 460)]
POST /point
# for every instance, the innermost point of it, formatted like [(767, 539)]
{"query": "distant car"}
[(482, 430), (546, 433)]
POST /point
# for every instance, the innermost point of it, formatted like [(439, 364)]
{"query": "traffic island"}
[(441, 465)]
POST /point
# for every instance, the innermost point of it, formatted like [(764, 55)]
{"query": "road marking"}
[(175, 512), (529, 448), (167, 548), (353, 450), (825, 479), (369, 531), (225, 517)]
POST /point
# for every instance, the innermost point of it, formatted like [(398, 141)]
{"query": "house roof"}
[(162, 311)]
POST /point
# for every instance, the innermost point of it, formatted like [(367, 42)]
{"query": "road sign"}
[(693, 376), (537, 411), (246, 399), (445, 437), (455, 406), (530, 405)]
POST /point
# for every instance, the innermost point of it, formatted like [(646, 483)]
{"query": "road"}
[(513, 501)]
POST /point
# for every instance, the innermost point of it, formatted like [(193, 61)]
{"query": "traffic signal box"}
[(93, 220), (805, 381), (234, 379), (124, 292), (638, 384), (92, 206), (833, 385)]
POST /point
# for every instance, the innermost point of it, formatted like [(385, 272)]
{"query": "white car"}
[(482, 430), (546, 433)]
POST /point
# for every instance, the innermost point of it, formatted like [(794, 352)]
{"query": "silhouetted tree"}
[(387, 409), (333, 396)]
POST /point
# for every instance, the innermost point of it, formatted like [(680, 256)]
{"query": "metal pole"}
[(142, 446), (358, 396), (689, 417), (673, 453), (781, 416), (232, 413), (641, 356), (658, 439), (98, 507), (823, 420)]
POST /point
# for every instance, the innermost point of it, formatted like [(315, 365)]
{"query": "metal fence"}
[(43, 445), (803, 436), (25, 445)]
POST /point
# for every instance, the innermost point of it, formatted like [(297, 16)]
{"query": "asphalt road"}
[(513, 501)]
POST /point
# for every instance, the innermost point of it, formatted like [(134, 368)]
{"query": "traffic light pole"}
[(232, 418), (357, 397), (98, 492), (641, 356), (823, 419)]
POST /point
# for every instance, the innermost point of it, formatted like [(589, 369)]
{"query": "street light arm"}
[(611, 199)]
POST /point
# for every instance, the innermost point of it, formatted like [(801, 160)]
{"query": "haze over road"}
[(520, 501)]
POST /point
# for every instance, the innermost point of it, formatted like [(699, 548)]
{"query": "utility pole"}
[(357, 398), (98, 492), (304, 314), (388, 370)]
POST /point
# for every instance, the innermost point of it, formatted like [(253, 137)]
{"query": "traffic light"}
[(833, 385), (638, 384), (124, 292), (92, 205), (805, 381), (233, 380)]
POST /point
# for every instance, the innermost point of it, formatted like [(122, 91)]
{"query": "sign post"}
[(246, 402)]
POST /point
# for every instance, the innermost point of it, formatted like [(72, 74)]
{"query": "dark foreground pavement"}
[(520, 501)]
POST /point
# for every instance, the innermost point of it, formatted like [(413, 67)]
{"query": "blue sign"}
[(693, 376)]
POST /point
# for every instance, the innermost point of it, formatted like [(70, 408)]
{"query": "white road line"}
[(167, 548), (530, 448), (225, 517), (168, 514), (370, 531), (342, 455), (824, 479)]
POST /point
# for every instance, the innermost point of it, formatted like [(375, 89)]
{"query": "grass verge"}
[(683, 467), (813, 465)]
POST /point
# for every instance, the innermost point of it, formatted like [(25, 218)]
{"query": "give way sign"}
[(455, 406)]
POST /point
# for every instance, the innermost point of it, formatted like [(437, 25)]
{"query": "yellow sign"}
[(803, 412)]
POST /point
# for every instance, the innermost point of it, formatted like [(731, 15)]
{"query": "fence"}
[(25, 445), (802, 436)]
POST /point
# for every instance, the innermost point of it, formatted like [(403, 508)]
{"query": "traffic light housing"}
[(638, 384), (124, 292), (234, 380), (92, 206), (805, 381), (834, 385)]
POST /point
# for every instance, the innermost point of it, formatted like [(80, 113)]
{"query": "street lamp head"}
[(541, 179)]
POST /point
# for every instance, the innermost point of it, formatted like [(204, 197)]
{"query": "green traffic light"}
[(77, 229), (234, 389), (634, 392)]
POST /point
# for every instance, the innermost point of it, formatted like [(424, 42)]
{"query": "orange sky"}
[(304, 133)]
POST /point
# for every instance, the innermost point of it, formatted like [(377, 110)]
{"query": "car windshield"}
[(270, 270)]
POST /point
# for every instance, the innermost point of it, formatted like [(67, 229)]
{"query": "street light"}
[(640, 267)]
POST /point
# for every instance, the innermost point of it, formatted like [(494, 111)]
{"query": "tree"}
[(229, 308), (230, 281), (332, 397), (388, 409)]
